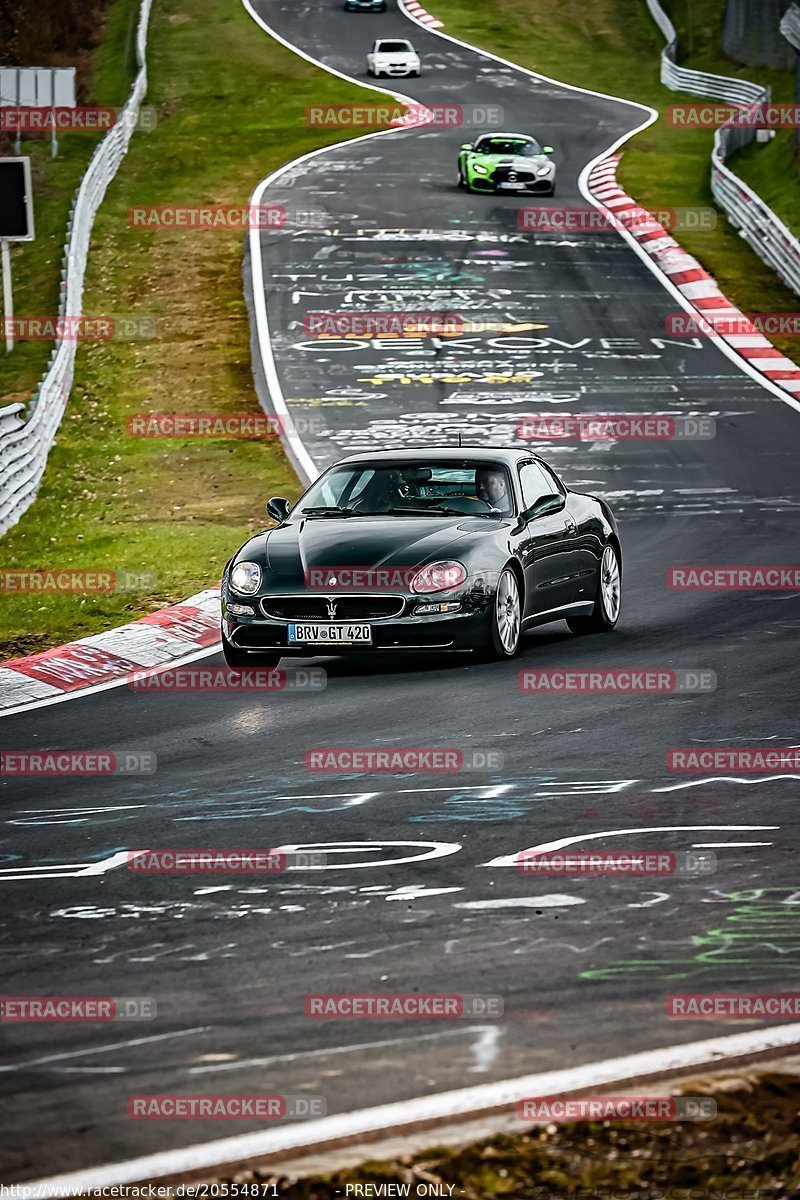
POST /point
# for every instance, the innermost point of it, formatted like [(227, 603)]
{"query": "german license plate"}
[(340, 635)]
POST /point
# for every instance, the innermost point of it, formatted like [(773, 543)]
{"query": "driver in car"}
[(491, 486)]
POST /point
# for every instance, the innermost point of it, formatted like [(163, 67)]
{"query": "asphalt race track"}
[(412, 899)]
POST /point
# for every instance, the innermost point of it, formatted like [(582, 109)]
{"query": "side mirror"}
[(547, 149), (278, 508), (551, 503), (467, 146)]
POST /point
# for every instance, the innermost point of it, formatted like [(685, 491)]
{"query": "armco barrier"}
[(757, 223), (24, 450)]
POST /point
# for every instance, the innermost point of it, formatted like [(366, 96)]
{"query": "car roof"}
[(525, 137), (500, 454)]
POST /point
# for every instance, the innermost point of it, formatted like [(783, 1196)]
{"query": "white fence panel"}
[(756, 222)]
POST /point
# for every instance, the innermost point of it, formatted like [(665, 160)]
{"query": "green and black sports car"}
[(506, 162)]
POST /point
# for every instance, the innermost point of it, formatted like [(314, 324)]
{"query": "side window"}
[(534, 483), (558, 486)]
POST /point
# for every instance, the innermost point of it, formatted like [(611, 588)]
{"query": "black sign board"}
[(16, 200)]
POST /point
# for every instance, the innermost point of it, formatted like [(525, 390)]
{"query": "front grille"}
[(513, 175), (315, 608)]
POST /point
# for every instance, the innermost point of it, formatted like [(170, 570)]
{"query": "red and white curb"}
[(415, 10), (104, 660), (692, 280)]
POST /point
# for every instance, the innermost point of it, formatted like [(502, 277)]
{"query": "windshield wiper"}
[(433, 508), (327, 510)]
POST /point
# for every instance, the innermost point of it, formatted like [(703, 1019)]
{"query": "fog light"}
[(239, 610), (424, 610)]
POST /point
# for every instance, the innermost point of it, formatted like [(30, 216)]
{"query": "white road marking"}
[(693, 783), (513, 860), (324, 1053), (68, 870), (156, 1037), (554, 900), (721, 845)]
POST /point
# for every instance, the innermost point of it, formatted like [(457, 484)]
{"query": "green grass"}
[(230, 107), (36, 265), (614, 47)]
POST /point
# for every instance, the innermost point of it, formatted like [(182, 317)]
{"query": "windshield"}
[(453, 488), (394, 47), (523, 147)]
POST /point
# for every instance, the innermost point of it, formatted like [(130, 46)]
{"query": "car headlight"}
[(545, 170), (439, 576), (246, 578), (479, 169)]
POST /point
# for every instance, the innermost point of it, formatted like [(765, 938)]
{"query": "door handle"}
[(571, 526)]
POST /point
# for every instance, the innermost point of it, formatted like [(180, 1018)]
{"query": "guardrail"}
[(746, 211), (24, 450)]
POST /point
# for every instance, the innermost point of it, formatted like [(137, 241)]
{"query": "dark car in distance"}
[(435, 550)]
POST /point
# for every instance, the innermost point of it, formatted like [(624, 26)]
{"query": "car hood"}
[(517, 161), (290, 551), (396, 55)]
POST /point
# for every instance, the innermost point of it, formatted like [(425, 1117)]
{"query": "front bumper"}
[(398, 71), (453, 632), (485, 183)]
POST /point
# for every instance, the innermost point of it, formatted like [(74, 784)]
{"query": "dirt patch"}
[(749, 1150)]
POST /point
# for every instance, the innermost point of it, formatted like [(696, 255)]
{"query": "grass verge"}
[(230, 105), (615, 48)]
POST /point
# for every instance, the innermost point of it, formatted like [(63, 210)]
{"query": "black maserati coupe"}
[(434, 550)]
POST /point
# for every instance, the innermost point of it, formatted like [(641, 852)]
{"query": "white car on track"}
[(393, 57)]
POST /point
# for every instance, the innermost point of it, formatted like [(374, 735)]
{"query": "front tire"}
[(506, 617), (239, 660), (608, 601), (462, 183)]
